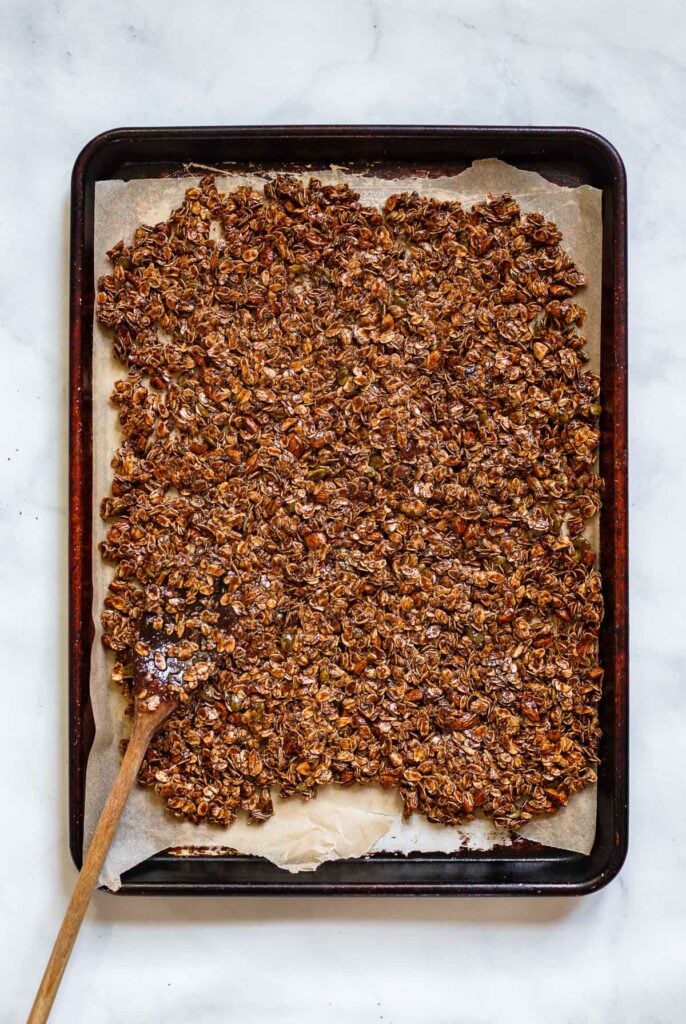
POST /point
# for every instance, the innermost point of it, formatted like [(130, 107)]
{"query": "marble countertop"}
[(72, 69)]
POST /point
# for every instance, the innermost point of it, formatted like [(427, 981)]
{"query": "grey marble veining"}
[(71, 69)]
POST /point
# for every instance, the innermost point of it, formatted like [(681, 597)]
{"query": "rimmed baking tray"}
[(567, 156)]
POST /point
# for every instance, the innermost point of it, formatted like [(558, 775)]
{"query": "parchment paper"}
[(340, 822)]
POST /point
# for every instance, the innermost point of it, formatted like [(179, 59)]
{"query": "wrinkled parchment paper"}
[(340, 822)]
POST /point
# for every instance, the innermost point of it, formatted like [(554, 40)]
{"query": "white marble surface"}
[(72, 69)]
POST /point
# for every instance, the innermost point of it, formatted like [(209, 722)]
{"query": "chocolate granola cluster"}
[(357, 463)]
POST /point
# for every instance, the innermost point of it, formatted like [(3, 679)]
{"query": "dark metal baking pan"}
[(569, 156)]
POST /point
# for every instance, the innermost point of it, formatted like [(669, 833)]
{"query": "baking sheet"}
[(341, 822)]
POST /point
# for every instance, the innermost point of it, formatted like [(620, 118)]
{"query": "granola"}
[(358, 461)]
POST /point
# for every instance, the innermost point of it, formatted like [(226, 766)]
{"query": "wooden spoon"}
[(153, 704)]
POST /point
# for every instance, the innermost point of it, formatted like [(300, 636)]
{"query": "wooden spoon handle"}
[(144, 726)]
